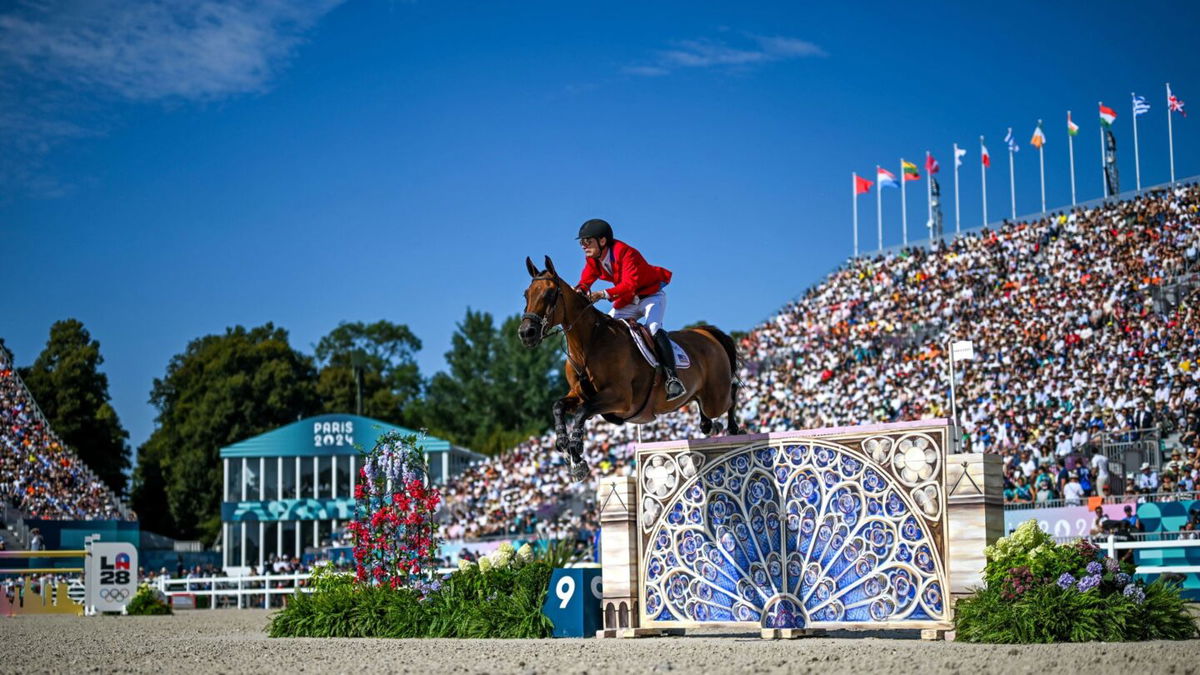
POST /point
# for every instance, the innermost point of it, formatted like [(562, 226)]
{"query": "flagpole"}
[(854, 196), (1103, 164), (955, 189), (1071, 150), (878, 209), (1012, 185), (929, 195), (983, 179), (1042, 168), (903, 207), (1170, 134), (1137, 162)]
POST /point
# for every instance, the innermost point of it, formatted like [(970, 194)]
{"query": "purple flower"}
[(1066, 580), (1135, 593), (1094, 567), (1122, 578), (1112, 565), (1088, 583)]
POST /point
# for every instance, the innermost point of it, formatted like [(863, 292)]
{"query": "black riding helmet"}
[(595, 228)]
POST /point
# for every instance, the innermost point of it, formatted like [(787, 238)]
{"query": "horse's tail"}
[(734, 364)]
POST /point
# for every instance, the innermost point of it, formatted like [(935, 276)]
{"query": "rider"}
[(637, 292)]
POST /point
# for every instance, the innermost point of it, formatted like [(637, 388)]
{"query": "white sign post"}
[(110, 575), (962, 350)]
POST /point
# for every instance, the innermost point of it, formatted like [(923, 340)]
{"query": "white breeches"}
[(648, 311)]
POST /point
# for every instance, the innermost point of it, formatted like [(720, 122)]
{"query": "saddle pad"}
[(681, 358)]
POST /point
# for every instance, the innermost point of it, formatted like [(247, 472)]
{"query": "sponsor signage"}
[(114, 567)]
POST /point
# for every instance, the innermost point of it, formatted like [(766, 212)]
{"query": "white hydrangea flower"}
[(525, 553)]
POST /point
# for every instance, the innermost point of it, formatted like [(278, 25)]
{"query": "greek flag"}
[(1140, 107), (1012, 142)]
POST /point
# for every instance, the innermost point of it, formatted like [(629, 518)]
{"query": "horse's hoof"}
[(579, 471)]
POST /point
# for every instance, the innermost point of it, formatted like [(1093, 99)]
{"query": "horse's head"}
[(544, 306)]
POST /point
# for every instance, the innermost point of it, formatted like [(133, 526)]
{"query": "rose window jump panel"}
[(794, 532)]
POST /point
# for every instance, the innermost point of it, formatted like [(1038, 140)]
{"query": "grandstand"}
[(40, 478), (1083, 322)]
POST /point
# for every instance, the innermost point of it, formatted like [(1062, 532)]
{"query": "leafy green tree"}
[(496, 391), (73, 394), (220, 390), (385, 354)]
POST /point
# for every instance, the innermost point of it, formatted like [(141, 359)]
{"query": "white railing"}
[(1111, 546), (237, 587)]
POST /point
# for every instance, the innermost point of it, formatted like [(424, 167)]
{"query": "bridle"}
[(544, 320)]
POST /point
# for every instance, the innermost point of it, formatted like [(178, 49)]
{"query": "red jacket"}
[(631, 275)]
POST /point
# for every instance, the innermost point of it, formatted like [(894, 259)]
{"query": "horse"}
[(608, 375)]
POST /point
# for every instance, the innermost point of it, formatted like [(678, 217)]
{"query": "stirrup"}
[(679, 389)]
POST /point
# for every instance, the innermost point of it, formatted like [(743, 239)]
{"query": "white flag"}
[(959, 153)]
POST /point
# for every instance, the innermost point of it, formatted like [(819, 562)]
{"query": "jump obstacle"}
[(870, 527), (110, 579)]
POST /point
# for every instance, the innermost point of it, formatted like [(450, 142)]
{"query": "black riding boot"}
[(666, 357)]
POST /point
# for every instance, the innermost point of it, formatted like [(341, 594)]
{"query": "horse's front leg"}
[(579, 466), (561, 406)]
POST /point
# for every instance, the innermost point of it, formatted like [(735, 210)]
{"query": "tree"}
[(68, 386), (496, 390), (384, 352), (220, 390)]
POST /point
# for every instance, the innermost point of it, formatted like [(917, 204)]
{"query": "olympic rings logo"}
[(114, 594)]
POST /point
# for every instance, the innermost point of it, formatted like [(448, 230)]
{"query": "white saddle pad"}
[(681, 358)]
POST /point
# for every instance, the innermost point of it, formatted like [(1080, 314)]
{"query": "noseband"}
[(544, 320)]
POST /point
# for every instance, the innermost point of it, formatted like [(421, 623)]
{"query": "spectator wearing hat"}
[(1147, 479), (1073, 491)]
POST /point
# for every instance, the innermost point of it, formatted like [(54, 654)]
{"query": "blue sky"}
[(168, 171)]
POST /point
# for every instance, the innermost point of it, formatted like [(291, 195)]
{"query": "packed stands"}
[(38, 475), (1084, 324)]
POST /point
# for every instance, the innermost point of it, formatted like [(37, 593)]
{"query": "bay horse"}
[(607, 374)]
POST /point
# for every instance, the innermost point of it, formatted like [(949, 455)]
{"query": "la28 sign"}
[(113, 566)]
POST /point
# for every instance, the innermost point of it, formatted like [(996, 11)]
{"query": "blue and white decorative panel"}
[(795, 533)]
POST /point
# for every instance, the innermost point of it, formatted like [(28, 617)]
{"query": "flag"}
[(1174, 103), (1012, 142), (1107, 115), (959, 153), (886, 178), (1039, 139), (862, 185), (1072, 128), (910, 170), (1140, 107), (931, 165), (987, 159)]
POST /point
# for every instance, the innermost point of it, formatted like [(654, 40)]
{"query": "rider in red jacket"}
[(637, 290)]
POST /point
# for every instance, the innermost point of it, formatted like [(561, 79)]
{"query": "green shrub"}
[(502, 602), (1038, 591), (147, 601)]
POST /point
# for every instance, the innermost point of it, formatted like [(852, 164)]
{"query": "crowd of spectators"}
[(1083, 324), (38, 475)]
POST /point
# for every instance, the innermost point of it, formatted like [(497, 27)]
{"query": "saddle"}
[(645, 344)]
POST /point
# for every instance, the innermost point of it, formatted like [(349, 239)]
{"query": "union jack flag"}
[(1174, 103)]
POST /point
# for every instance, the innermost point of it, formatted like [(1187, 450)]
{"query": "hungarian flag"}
[(1039, 139), (1072, 128), (886, 178), (1107, 115), (987, 159), (862, 185), (910, 170), (931, 165)]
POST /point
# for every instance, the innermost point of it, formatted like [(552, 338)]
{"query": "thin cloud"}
[(711, 53), (144, 51), (66, 62)]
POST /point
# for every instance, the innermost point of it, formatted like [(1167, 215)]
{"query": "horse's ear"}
[(550, 266), (533, 271)]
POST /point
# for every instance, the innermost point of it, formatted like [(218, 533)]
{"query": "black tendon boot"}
[(666, 356)]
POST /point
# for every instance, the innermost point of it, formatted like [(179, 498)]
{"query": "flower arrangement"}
[(147, 601), (1040, 591), (395, 534)]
